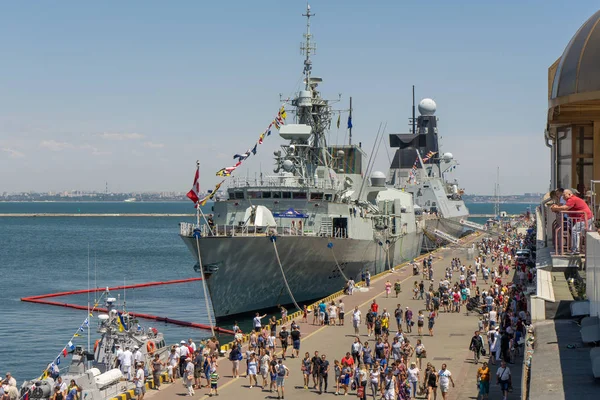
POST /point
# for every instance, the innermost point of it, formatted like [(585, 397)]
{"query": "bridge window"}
[(286, 195), (254, 195), (266, 195), (276, 195), (316, 196), (239, 195), (299, 195)]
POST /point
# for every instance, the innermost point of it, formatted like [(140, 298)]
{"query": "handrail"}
[(188, 230), (566, 220)]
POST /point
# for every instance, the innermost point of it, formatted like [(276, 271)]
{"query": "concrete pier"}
[(452, 335)]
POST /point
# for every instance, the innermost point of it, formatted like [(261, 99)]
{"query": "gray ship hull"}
[(244, 275), (450, 226)]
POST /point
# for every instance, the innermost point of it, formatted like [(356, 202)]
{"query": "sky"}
[(133, 93)]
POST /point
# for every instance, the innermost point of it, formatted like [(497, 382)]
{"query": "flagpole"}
[(350, 127), (88, 307), (198, 204)]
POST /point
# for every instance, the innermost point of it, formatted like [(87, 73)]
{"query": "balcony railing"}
[(187, 229), (569, 232)]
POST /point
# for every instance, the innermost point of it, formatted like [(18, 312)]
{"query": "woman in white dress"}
[(332, 313)]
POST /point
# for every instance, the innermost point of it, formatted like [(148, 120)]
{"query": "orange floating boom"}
[(40, 300)]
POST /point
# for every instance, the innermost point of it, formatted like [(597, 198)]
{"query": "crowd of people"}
[(386, 357), (386, 360)]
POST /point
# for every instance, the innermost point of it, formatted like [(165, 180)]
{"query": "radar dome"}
[(427, 107), (447, 156), (288, 165), (378, 179)]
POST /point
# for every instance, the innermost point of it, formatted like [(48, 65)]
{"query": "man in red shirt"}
[(574, 203), (374, 307), (348, 360)]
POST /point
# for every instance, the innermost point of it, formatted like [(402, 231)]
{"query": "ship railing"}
[(188, 230), (285, 181), (569, 232)]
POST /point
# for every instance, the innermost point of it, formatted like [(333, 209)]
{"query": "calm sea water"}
[(45, 255)]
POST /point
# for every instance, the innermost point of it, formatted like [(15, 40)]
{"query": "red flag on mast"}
[(193, 194)]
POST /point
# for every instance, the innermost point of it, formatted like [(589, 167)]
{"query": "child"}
[(170, 373), (214, 377)]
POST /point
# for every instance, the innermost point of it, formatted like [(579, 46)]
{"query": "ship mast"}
[(307, 47)]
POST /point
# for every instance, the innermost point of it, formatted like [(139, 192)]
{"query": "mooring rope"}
[(212, 329), (274, 239), (330, 246)]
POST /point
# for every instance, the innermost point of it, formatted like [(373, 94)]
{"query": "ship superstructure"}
[(325, 215), (419, 167)]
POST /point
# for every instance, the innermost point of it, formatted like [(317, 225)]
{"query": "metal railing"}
[(285, 182), (563, 232), (188, 230)]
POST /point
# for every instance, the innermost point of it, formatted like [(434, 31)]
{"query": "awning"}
[(289, 213)]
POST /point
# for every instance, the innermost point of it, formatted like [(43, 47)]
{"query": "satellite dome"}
[(288, 165), (378, 179), (427, 107), (447, 156)]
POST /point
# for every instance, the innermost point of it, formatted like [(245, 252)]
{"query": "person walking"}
[(476, 346), (323, 374), (388, 390), (388, 288), (397, 287), (139, 380), (431, 321), (444, 380), (398, 315), (413, 378), (483, 380), (306, 367), (408, 314), (282, 373), (504, 379), (430, 382), (420, 352), (356, 314), (157, 366), (188, 376)]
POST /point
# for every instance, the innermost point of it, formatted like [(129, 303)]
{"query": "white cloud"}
[(121, 136), (94, 150), (54, 145), (153, 145), (13, 153)]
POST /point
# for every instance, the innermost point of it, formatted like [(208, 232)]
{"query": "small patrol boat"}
[(98, 372)]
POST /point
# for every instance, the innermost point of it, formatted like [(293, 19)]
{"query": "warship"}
[(419, 168), (321, 219), (96, 372)]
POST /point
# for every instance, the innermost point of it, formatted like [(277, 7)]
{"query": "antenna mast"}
[(497, 202), (414, 121), (307, 47)]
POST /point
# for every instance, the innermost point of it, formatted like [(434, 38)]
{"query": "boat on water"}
[(298, 235), (420, 168), (96, 372), (130, 200)]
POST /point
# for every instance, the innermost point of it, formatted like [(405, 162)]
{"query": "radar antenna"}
[(307, 47)]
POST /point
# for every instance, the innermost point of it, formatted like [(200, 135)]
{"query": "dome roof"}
[(577, 70)]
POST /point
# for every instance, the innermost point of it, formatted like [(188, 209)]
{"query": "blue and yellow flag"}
[(121, 323)]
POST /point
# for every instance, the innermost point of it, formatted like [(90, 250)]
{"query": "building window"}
[(564, 154)]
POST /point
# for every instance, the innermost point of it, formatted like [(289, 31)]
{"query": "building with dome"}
[(573, 128), (573, 135)]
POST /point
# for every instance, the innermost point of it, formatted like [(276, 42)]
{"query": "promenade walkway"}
[(452, 335)]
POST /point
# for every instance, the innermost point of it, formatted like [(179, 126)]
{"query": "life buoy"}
[(96, 344), (151, 347)]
